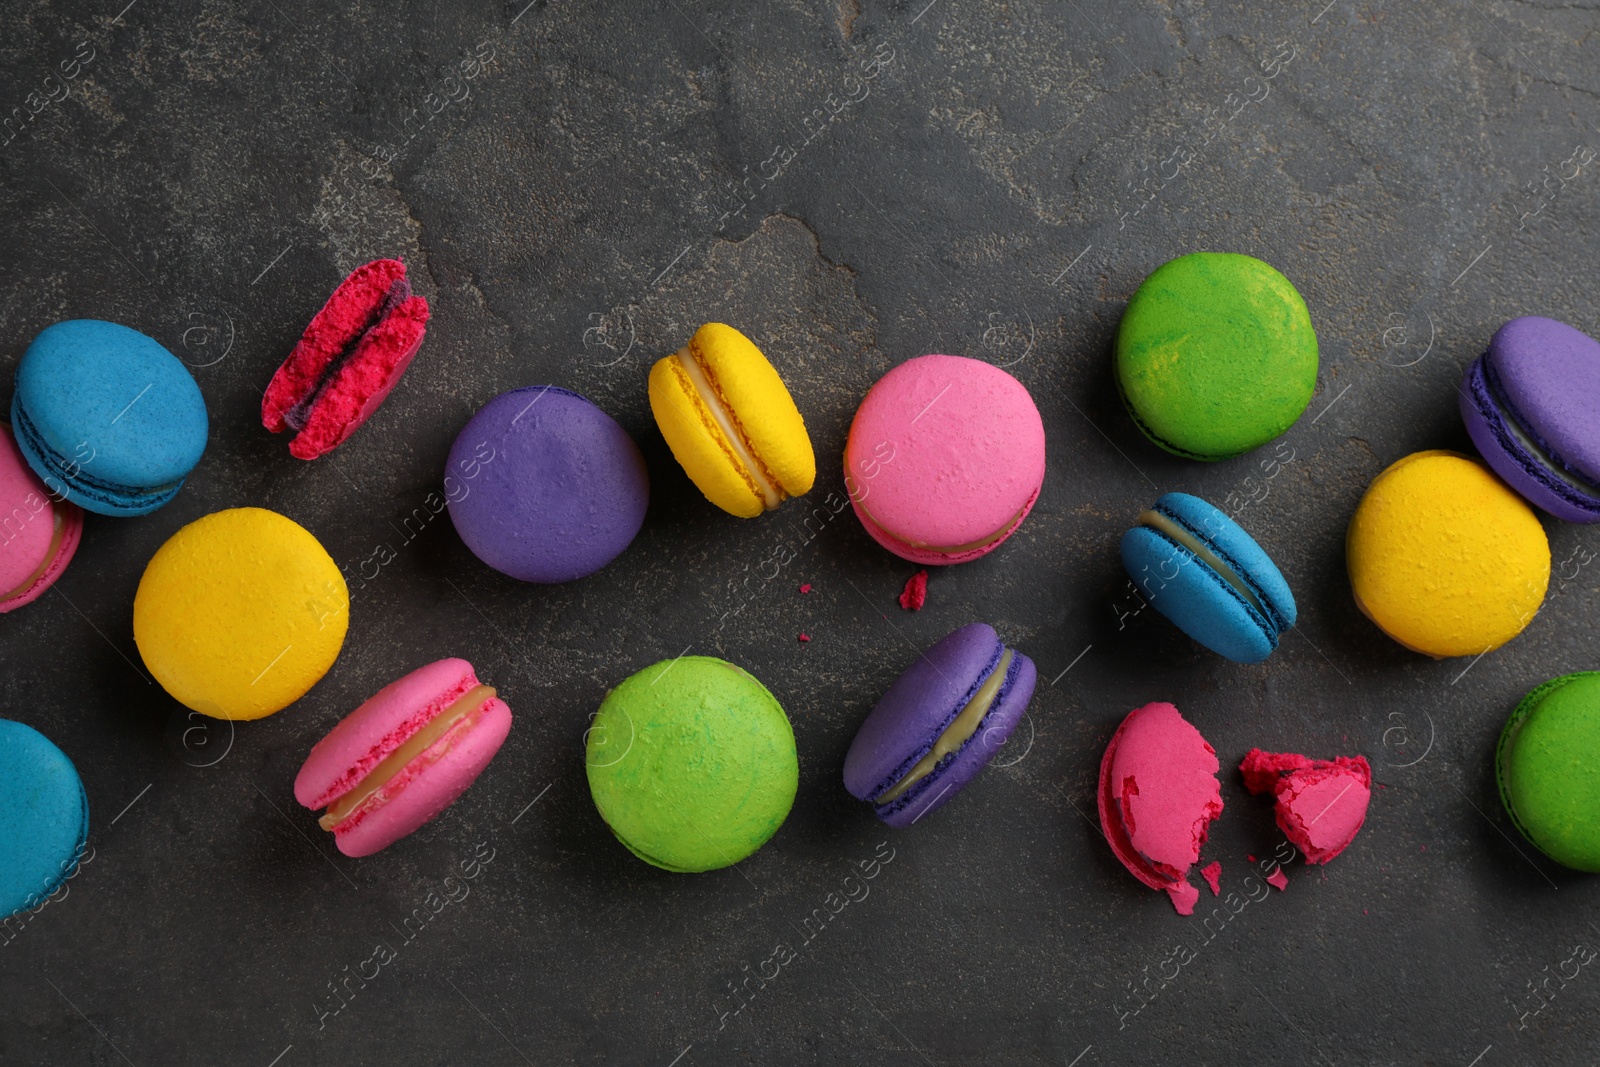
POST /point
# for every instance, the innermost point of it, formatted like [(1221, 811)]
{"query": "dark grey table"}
[(576, 187)]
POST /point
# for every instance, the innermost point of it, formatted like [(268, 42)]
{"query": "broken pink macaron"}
[(404, 756), (1320, 803), (348, 360), (1158, 795)]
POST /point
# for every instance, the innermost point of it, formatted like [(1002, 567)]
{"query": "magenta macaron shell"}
[(1158, 794), (426, 785), (945, 459), (39, 533)]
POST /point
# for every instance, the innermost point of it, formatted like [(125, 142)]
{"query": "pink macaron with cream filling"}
[(403, 756), (38, 532), (945, 459)]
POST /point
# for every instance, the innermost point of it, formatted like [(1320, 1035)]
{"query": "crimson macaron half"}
[(1158, 794), (404, 756)]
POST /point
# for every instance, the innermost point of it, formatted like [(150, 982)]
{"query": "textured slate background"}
[(852, 184)]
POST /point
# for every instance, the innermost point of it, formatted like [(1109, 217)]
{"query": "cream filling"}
[(771, 495), (1546, 460), (1157, 521), (469, 702), (956, 734), (49, 557)]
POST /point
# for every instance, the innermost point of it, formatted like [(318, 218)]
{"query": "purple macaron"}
[(544, 486), (1532, 406), (939, 724)]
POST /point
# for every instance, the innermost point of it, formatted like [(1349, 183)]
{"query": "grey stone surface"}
[(608, 177)]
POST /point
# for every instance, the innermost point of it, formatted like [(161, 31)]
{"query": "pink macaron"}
[(1158, 795), (38, 533), (945, 459), (404, 756)]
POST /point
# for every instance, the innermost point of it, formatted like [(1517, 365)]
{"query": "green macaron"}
[(1216, 355), (692, 764), (1548, 764)]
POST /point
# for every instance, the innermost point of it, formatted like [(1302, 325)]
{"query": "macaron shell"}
[(753, 390), (383, 722), (944, 452), (697, 442), (1158, 794), (1321, 811), (1216, 355), (44, 818), (116, 404), (948, 780), (1444, 558), (28, 563), (544, 486), (424, 788), (1195, 598), (1546, 764), (240, 613), (691, 763), (1549, 372), (926, 697)]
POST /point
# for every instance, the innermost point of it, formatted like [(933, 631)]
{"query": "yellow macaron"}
[(1444, 557), (731, 422), (240, 613)]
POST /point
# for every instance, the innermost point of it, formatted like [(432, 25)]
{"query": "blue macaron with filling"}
[(44, 818), (1200, 569), (107, 417)]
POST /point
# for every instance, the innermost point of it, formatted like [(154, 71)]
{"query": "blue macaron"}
[(107, 417), (1200, 569), (44, 818)]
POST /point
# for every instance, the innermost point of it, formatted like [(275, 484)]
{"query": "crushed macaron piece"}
[(915, 594), (1319, 804)]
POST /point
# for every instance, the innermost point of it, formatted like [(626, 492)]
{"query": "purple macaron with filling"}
[(544, 486), (1532, 406), (939, 724)]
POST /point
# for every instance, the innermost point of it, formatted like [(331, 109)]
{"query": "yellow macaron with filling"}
[(240, 613), (1444, 557), (731, 422)]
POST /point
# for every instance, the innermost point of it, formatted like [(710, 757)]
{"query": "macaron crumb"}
[(804, 638), (1249, 857), (1278, 880), (1212, 873), (805, 587), (915, 594)]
